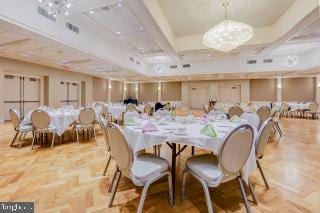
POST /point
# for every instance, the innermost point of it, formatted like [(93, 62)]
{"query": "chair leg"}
[(170, 189), (114, 190), (52, 143), (262, 174), (94, 135), (112, 182), (252, 193), (279, 130), (183, 187), (244, 196), (207, 194), (108, 162), (14, 138), (143, 197), (22, 140), (33, 139), (77, 134)]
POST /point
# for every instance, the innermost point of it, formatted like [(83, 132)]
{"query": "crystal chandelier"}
[(56, 7), (291, 61), (228, 34)]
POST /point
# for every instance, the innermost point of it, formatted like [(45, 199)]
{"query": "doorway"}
[(69, 93), (198, 96), (21, 93), (229, 94)]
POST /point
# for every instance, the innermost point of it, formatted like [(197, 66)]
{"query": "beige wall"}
[(263, 89), (213, 89), (148, 92), (298, 89), (116, 91), (100, 89), (55, 76), (131, 92), (171, 91)]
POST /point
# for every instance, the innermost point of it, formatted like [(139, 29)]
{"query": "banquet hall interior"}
[(160, 106)]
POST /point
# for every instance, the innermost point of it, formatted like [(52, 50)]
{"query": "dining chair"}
[(21, 129), (263, 113), (275, 116), (143, 170), (205, 108), (41, 125), (148, 109), (87, 120), (252, 118), (131, 107), (312, 110), (211, 171), (235, 110), (130, 114), (284, 110), (104, 126), (261, 141)]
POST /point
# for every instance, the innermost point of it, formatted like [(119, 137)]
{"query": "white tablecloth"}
[(139, 140), (116, 111), (59, 119)]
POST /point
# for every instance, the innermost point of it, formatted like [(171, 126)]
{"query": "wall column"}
[(124, 93), (279, 89), (159, 91), (318, 89), (136, 89), (109, 90)]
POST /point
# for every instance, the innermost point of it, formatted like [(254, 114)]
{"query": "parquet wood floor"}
[(69, 177)]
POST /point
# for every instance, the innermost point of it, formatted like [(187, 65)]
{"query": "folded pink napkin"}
[(144, 116), (149, 127), (204, 117)]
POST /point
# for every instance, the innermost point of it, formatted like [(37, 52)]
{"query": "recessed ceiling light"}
[(50, 4), (208, 55), (118, 32), (66, 13), (68, 5), (140, 28), (119, 5), (91, 12)]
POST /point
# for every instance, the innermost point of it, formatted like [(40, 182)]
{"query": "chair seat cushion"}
[(147, 166), (206, 167), (25, 128)]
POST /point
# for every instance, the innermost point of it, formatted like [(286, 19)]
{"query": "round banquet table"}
[(139, 140), (60, 119), (116, 111)]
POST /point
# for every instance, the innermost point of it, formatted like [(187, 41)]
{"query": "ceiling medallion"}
[(228, 34), (56, 7), (291, 61)]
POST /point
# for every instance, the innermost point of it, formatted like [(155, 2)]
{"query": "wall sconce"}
[(125, 88), (136, 88), (318, 84), (279, 86), (159, 87), (110, 87)]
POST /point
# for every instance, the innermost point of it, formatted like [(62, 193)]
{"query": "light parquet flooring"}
[(69, 177)]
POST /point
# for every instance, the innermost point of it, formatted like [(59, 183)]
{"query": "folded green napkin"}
[(208, 130), (235, 119), (130, 122)]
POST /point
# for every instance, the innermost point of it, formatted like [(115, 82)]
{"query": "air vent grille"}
[(46, 14), (267, 61), (72, 27), (186, 66), (251, 61), (131, 59), (173, 66), (138, 62)]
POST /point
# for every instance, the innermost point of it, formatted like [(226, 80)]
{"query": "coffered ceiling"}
[(189, 17)]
